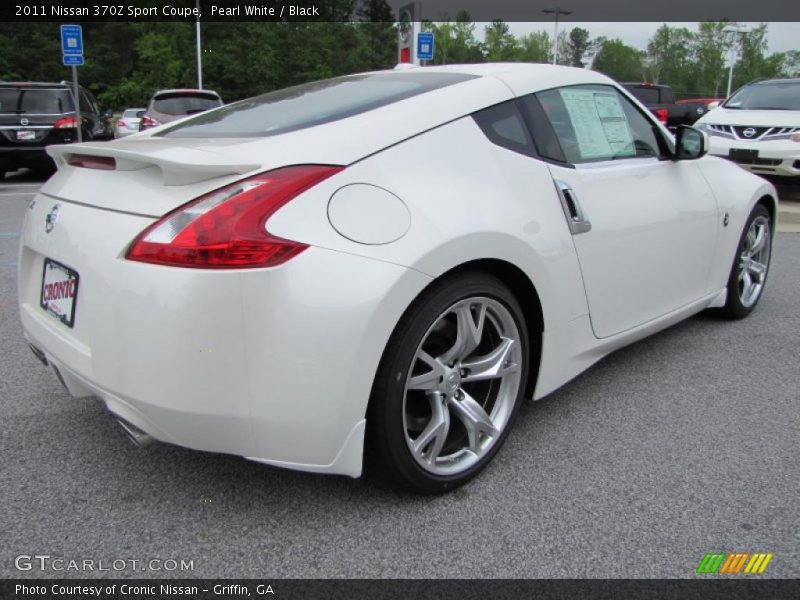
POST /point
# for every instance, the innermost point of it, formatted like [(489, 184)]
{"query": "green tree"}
[(709, 49), (619, 61), (669, 57), (379, 33), (753, 61), (536, 47), (455, 42), (499, 43), (577, 45)]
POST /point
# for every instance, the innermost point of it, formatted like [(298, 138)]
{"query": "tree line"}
[(694, 63), (127, 62)]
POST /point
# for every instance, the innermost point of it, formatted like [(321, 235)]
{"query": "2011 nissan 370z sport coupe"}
[(390, 260)]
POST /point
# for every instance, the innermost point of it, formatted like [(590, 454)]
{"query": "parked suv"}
[(35, 115), (171, 105), (758, 127)]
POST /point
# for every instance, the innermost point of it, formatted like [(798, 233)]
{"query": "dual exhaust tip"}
[(136, 435)]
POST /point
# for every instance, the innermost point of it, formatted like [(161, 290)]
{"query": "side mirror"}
[(108, 113), (690, 143), (713, 105)]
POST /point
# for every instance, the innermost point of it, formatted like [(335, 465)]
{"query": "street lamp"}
[(556, 11), (732, 29), (199, 60)]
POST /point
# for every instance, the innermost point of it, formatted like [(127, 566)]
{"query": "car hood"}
[(752, 118)]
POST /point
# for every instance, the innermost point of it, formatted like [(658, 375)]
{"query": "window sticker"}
[(598, 119)]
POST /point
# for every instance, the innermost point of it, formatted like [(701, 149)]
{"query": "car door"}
[(644, 226)]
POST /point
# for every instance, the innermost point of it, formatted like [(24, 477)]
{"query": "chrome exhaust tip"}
[(39, 354), (136, 435)]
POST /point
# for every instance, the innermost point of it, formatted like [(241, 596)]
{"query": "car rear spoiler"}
[(179, 166)]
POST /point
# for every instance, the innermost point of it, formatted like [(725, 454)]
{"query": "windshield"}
[(35, 101), (312, 104), (783, 95), (183, 104)]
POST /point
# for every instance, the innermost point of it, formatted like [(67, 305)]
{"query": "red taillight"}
[(121, 123), (104, 163), (148, 122), (661, 115), (227, 228), (66, 122)]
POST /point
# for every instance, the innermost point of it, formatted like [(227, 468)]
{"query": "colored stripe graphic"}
[(710, 563), (732, 564), (758, 563)]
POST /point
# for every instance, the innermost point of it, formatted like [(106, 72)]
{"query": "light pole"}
[(733, 30), (556, 11), (199, 59)]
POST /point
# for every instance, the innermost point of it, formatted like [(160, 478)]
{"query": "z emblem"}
[(52, 217)]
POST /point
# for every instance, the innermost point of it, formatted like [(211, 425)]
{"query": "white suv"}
[(758, 127)]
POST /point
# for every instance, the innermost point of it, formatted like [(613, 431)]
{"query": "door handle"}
[(576, 219)]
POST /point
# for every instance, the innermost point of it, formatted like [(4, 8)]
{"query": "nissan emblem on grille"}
[(23, 121), (749, 132)]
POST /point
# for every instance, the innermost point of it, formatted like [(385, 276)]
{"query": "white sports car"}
[(391, 260)]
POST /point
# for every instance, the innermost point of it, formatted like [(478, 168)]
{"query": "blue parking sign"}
[(425, 46), (72, 60), (71, 39)]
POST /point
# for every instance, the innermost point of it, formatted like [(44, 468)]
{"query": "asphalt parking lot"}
[(683, 444)]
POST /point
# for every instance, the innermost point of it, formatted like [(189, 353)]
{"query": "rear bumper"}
[(271, 364)]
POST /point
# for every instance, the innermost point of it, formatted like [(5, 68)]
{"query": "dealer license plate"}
[(26, 134), (742, 155), (59, 291)]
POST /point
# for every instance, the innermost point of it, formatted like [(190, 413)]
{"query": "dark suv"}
[(35, 115)]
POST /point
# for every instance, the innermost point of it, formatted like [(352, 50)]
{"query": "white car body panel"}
[(654, 243), (277, 364)]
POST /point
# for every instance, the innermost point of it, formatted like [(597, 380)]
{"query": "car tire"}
[(449, 385), (750, 268)]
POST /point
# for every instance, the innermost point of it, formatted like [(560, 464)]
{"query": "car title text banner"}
[(433, 10)]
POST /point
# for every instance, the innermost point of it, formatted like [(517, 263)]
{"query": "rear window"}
[(133, 113), (646, 95), (312, 104), (784, 95), (35, 101), (184, 104)]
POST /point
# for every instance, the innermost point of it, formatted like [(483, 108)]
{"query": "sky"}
[(782, 36)]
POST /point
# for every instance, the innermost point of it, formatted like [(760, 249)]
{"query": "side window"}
[(504, 126), (88, 103), (544, 136), (596, 123)]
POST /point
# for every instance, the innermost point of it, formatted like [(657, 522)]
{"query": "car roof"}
[(41, 84), (185, 91), (774, 81), (524, 78), (349, 139)]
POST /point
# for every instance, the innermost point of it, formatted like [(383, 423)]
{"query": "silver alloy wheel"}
[(462, 385), (754, 261)]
